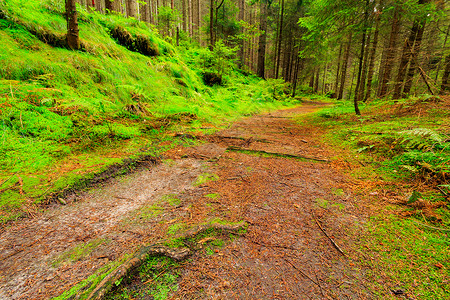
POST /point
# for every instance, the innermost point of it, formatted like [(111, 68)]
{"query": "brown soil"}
[(284, 254)]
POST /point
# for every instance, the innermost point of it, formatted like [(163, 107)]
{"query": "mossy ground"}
[(67, 114), (384, 145)]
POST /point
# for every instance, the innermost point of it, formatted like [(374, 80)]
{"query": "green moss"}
[(204, 178), (78, 252)]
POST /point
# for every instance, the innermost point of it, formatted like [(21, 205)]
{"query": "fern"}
[(421, 138)]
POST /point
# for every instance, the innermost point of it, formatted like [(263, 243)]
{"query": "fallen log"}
[(300, 157)]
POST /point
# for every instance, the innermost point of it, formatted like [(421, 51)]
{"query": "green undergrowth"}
[(408, 139), (407, 255), (67, 114), (406, 145)]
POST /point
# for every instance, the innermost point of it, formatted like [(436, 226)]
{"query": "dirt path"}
[(284, 254)]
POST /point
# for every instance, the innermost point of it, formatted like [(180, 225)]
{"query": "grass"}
[(408, 256), (67, 114), (405, 145)]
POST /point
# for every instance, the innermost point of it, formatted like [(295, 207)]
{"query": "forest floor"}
[(303, 219)]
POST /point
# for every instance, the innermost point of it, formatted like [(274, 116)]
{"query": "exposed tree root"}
[(276, 154), (158, 249)]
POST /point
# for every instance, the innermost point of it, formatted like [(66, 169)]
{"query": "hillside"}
[(69, 114)]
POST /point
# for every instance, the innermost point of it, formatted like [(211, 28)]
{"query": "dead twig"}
[(301, 272), (331, 240)]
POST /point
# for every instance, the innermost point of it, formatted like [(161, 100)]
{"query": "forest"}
[(224, 149), (355, 50)]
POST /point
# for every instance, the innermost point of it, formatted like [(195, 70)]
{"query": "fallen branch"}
[(331, 240), (301, 272), (239, 149), (157, 249), (243, 139)]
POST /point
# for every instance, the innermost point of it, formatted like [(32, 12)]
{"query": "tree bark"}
[(407, 55), (445, 86), (359, 81), (336, 85), (390, 53), (344, 67), (262, 40), (280, 38), (211, 24), (132, 8), (183, 7), (414, 61), (241, 42), (373, 51), (73, 39)]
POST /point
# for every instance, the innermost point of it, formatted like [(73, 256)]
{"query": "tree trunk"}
[(336, 85), (311, 80), (145, 12), (296, 70), (390, 54), (407, 55), (73, 39), (211, 24), (414, 61), (185, 22), (241, 42), (373, 51), (262, 40), (280, 38), (362, 85), (445, 86), (191, 17), (132, 8), (359, 81), (199, 21), (344, 67)]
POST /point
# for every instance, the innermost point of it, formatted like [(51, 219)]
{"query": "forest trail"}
[(267, 170)]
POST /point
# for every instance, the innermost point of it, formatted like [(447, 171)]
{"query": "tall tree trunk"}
[(344, 67), (359, 81), (316, 80), (185, 22), (199, 21), (373, 51), (211, 24), (262, 39), (73, 39), (390, 53), (132, 8), (362, 86), (445, 86), (439, 65), (414, 61), (311, 80), (407, 55), (296, 70), (280, 38), (144, 10), (336, 85), (241, 42), (191, 17)]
